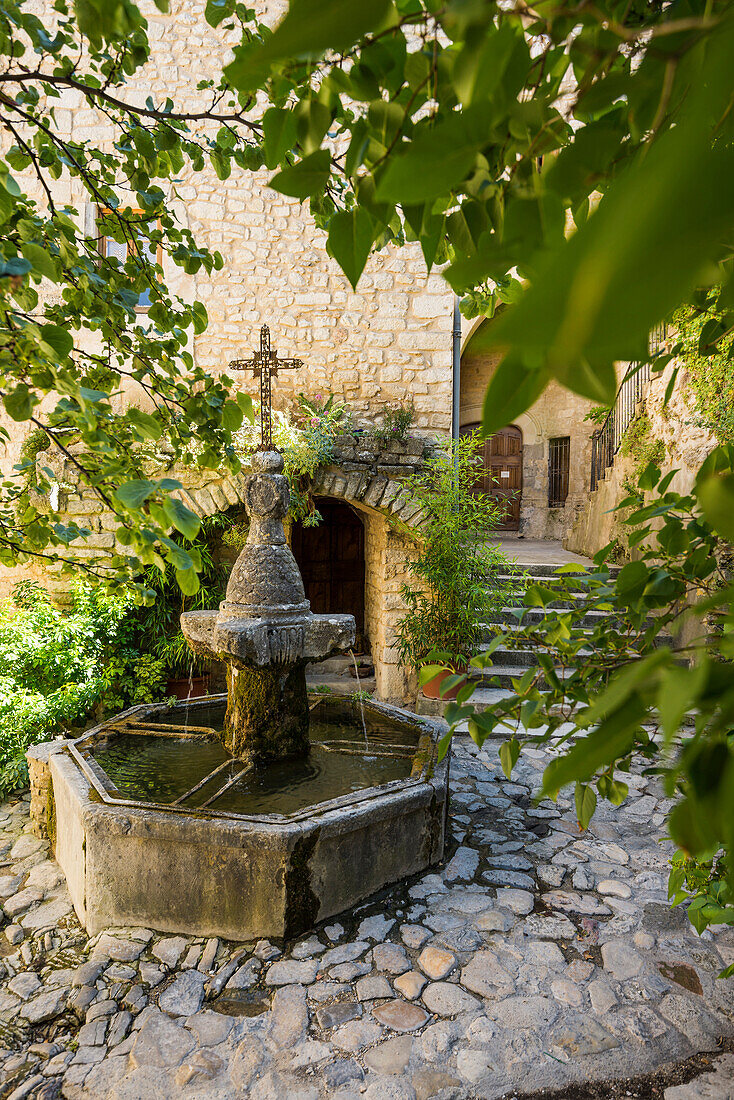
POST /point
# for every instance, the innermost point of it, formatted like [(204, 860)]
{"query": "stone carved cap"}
[(266, 581), (267, 493)]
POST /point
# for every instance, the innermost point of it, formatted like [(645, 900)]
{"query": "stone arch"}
[(364, 473), (370, 480)]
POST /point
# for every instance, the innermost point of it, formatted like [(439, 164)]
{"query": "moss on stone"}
[(267, 714)]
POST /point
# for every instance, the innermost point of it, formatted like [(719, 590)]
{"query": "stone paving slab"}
[(466, 982)]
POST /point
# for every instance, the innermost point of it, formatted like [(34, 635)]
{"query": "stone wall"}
[(389, 341), (558, 412), (686, 446)]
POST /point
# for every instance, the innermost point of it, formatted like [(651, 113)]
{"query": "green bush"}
[(61, 669)]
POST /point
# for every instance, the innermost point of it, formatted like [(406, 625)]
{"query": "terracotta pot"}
[(184, 688), (432, 690)]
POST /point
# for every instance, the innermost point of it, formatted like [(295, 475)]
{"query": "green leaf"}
[(134, 493), (19, 402), (716, 497), (585, 804), (188, 581), (437, 160), (678, 693), (232, 416), (309, 28), (513, 389), (509, 752), (181, 517), (279, 132), (307, 177), (351, 234), (57, 338), (42, 262), (145, 425), (428, 672)]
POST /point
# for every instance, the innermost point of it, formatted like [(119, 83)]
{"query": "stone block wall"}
[(687, 444), (389, 341)]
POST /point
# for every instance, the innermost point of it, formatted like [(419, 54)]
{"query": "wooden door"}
[(331, 560), (501, 476)]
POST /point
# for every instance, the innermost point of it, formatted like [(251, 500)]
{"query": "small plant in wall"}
[(455, 575), (397, 419)]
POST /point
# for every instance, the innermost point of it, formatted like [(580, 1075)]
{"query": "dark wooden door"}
[(331, 560), (501, 476)]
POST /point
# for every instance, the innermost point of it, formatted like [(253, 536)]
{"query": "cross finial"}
[(264, 364)]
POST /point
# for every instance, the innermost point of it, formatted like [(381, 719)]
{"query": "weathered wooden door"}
[(331, 560), (501, 476)]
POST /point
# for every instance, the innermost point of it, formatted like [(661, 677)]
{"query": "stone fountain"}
[(261, 812), (265, 631)]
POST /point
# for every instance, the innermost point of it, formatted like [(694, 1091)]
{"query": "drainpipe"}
[(456, 371)]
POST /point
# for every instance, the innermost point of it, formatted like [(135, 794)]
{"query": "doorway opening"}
[(501, 474), (332, 564)]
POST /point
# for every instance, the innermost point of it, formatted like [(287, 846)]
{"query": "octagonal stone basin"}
[(154, 824)]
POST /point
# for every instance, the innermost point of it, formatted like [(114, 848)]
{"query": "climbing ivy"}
[(640, 444), (710, 366)]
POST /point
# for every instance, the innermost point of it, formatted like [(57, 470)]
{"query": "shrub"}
[(454, 574), (61, 669)]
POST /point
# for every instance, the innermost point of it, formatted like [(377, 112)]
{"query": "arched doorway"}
[(501, 476), (331, 560)]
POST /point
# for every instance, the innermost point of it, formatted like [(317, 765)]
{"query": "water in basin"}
[(150, 768)]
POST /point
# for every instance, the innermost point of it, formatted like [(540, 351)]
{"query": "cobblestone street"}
[(536, 956)]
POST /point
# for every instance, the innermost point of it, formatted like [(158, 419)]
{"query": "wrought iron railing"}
[(606, 441)]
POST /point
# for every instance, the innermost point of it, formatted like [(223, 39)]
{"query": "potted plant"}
[(454, 574)]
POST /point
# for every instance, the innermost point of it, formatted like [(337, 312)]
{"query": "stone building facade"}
[(554, 440)]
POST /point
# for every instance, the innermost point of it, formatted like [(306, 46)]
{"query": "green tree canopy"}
[(69, 337)]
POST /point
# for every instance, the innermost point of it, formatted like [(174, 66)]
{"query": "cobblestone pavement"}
[(534, 957)]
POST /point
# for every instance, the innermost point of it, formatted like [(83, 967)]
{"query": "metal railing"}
[(606, 441)]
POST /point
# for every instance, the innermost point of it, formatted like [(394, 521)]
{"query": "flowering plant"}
[(305, 438)]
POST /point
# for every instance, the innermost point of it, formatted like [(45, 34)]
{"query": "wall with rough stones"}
[(558, 412), (686, 446), (388, 341)]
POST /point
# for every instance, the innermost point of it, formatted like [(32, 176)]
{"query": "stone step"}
[(340, 685), (340, 664), (503, 675), (508, 617)]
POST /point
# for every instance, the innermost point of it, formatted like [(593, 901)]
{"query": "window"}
[(559, 453), (121, 251)]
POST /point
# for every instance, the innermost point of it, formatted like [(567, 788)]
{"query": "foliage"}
[(157, 625), (59, 668), (705, 885), (306, 440), (708, 356), (624, 685), (454, 584), (452, 125), (640, 444), (397, 420), (69, 337)]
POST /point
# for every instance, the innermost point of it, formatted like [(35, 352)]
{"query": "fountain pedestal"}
[(265, 630)]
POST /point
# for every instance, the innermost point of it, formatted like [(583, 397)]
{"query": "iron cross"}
[(264, 364)]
